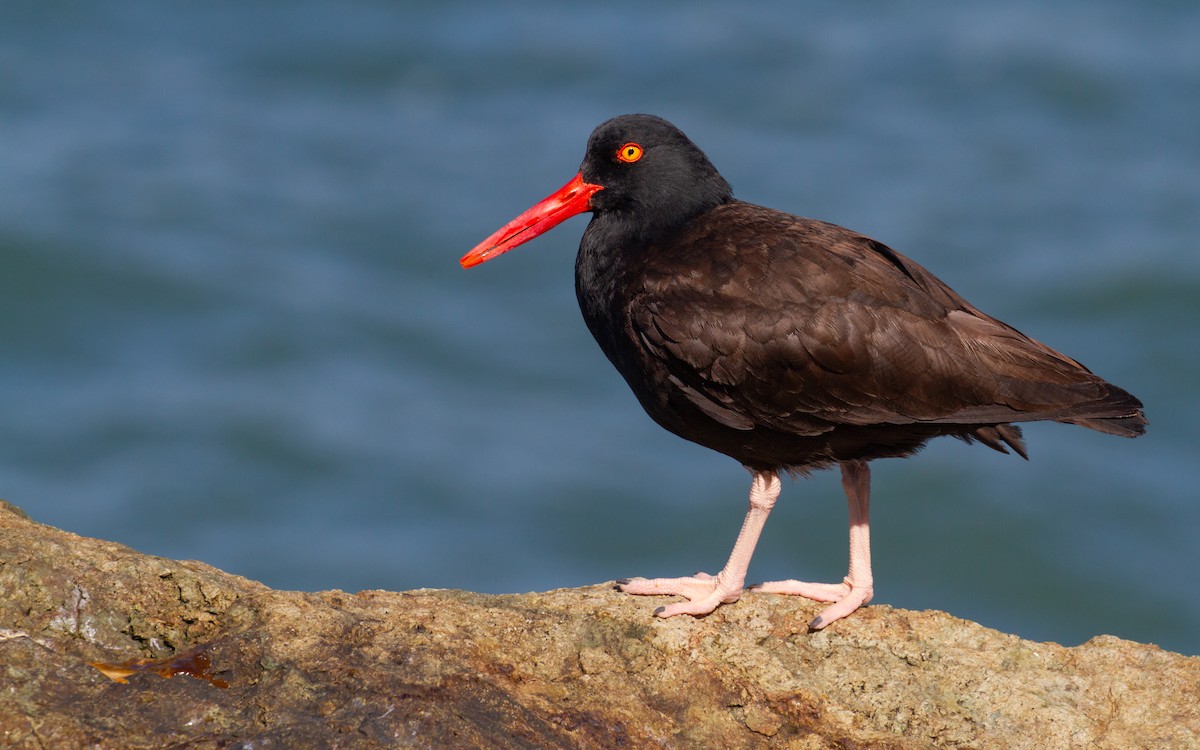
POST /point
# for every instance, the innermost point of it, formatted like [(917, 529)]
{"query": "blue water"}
[(233, 327)]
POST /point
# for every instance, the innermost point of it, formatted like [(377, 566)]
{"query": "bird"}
[(788, 344)]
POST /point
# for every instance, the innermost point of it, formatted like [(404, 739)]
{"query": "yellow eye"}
[(629, 153)]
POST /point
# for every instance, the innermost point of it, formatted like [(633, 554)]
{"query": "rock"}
[(578, 668)]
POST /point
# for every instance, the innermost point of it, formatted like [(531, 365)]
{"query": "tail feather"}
[(1130, 426), (998, 436), (1118, 413)]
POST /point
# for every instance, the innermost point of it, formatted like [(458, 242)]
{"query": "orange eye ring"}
[(629, 153)]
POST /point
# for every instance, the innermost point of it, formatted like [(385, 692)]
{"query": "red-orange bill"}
[(569, 200)]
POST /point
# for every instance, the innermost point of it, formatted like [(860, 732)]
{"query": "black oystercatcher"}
[(786, 343)]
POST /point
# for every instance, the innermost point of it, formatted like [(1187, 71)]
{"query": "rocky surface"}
[(240, 665)]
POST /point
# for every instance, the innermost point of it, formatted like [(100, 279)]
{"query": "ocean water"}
[(233, 327)]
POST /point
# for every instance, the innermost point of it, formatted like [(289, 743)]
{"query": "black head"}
[(640, 177), (654, 177)]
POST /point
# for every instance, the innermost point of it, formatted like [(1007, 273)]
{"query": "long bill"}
[(569, 200)]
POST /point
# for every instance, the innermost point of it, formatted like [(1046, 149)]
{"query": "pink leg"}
[(858, 586), (703, 592)]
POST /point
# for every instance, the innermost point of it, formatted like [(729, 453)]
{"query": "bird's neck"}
[(605, 271), (601, 263)]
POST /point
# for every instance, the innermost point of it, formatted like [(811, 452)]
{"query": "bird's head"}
[(640, 173)]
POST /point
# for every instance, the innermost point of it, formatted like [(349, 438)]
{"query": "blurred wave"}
[(233, 327)]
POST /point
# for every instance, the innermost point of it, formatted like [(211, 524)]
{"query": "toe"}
[(846, 605), (702, 593), (663, 586), (821, 592), (696, 607)]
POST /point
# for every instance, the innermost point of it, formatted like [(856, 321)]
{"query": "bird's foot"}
[(703, 593), (846, 597)]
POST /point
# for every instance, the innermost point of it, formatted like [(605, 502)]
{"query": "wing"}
[(819, 327)]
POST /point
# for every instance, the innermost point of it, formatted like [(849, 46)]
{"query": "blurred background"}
[(233, 327)]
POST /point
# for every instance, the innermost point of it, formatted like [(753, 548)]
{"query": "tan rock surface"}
[(586, 668)]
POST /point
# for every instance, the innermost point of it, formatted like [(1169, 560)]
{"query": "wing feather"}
[(848, 333)]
